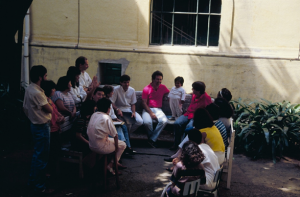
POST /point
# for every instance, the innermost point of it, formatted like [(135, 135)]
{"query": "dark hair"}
[(191, 155), (195, 135), (213, 110), (180, 79), (225, 93), (36, 72), (72, 73), (47, 86), (202, 119), (80, 60), (98, 89), (107, 89), (103, 105), (87, 108), (124, 78), (225, 108), (62, 83), (157, 73), (199, 86)]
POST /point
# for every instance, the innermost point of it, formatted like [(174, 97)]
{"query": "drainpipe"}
[(26, 49)]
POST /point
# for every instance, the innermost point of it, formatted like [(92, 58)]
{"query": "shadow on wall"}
[(246, 77), (249, 78)]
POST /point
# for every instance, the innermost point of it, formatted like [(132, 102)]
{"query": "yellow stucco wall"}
[(245, 77), (257, 56)]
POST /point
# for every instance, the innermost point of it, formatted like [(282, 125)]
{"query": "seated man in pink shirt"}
[(152, 102), (200, 99)]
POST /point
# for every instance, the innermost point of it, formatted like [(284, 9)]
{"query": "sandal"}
[(112, 172), (121, 167)]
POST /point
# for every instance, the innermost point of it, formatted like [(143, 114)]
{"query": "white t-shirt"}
[(211, 165), (177, 93), (112, 112), (78, 94), (123, 100), (85, 80)]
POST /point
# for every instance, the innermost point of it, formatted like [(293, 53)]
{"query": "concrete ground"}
[(146, 176)]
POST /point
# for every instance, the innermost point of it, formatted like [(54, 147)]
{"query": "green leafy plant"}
[(263, 127)]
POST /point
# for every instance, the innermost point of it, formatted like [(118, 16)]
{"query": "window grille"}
[(110, 73), (185, 22)]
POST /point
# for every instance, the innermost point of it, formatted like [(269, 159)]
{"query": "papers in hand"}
[(118, 123)]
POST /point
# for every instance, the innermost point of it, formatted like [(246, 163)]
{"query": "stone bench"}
[(67, 125), (165, 105), (166, 134)]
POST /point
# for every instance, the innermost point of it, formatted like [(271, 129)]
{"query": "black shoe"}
[(152, 144), (130, 151), (172, 118), (168, 159)]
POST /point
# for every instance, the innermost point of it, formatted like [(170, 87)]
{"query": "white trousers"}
[(176, 107)]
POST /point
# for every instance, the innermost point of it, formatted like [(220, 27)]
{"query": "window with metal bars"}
[(110, 73), (185, 22)]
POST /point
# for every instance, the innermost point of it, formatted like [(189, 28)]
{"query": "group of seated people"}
[(107, 115), (206, 143)]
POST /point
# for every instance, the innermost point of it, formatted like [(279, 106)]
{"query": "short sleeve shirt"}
[(34, 99), (67, 99), (100, 126), (210, 164), (85, 79), (154, 97), (213, 138), (123, 99), (177, 93), (78, 94), (201, 102)]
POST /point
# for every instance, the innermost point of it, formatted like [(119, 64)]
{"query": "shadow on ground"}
[(146, 176)]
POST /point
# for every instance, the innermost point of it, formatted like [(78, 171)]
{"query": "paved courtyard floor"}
[(146, 176)]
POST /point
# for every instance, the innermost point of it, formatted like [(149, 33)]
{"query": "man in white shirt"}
[(124, 99), (84, 79), (38, 110)]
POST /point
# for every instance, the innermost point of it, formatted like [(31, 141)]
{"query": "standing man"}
[(200, 99), (124, 99), (38, 110), (84, 79), (152, 102)]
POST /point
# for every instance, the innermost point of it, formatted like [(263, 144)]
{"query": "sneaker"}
[(152, 144), (172, 118)]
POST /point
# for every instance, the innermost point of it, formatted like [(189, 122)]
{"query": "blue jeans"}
[(179, 126), (123, 134), (40, 157)]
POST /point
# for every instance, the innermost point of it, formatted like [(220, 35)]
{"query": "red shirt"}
[(54, 125), (202, 102), (154, 97)]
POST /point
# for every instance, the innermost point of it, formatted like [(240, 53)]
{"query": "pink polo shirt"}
[(202, 102), (154, 97)]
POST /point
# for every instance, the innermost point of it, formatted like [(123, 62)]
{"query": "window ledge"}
[(183, 49)]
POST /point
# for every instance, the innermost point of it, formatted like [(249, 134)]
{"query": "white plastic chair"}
[(228, 160), (216, 180)]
